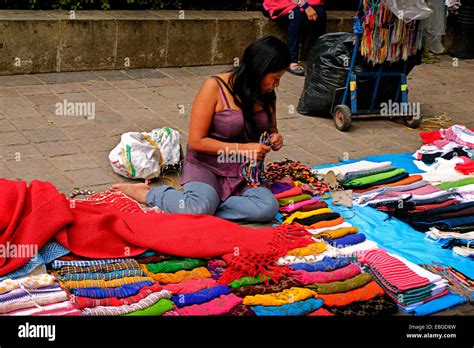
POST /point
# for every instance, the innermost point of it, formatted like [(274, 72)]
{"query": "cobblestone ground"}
[(72, 151)]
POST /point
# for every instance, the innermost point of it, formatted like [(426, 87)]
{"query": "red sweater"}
[(278, 8)]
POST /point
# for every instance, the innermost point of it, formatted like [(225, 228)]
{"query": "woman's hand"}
[(311, 13), (277, 141), (255, 150)]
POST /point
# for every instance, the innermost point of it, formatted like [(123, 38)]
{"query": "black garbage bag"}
[(328, 65)]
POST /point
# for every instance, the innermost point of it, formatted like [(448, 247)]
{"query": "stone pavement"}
[(72, 151)]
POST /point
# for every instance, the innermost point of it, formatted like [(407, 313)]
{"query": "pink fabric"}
[(217, 263), (218, 306), (424, 190), (192, 285), (296, 206), (343, 273), (295, 191), (278, 8)]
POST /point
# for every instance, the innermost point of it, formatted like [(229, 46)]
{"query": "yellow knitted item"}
[(280, 298), (165, 278), (311, 249), (74, 284), (338, 233), (305, 214)]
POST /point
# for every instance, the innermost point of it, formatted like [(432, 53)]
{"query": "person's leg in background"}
[(255, 205), (196, 198), (318, 27)]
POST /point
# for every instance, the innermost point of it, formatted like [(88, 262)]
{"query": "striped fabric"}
[(65, 308), (56, 264), (75, 284), (119, 292), (128, 264), (392, 272), (120, 310), (103, 276), (85, 302), (21, 298)]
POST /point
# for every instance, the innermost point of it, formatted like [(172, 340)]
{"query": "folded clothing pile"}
[(411, 286), (37, 294)]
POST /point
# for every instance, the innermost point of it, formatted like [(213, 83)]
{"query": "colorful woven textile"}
[(394, 274), (290, 309), (266, 289), (119, 292), (327, 264), (279, 298), (379, 306), (315, 248), (65, 308), (22, 298), (240, 311), (192, 285), (342, 286), (56, 264), (84, 302), (305, 214), (31, 282), (159, 308), (102, 276), (166, 278), (172, 266), (200, 296), (76, 284), (245, 281), (343, 273), (365, 293), (333, 234), (129, 264), (219, 306), (294, 191), (294, 199), (321, 312), (297, 206), (347, 240), (125, 309)]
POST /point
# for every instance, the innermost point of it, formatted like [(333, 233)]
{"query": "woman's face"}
[(270, 81)]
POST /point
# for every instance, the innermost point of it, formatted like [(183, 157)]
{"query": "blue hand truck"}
[(347, 109)]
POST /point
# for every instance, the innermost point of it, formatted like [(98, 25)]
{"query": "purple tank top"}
[(228, 126)]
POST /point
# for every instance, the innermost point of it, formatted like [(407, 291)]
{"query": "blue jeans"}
[(254, 205), (296, 21)]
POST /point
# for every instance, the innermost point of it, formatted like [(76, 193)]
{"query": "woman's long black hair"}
[(266, 55)]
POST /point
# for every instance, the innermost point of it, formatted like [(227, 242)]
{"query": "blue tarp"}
[(394, 235), (398, 160)]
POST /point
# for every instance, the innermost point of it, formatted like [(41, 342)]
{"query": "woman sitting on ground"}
[(229, 114)]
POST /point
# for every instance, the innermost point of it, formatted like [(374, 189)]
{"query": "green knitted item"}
[(159, 308), (295, 199), (459, 183), (374, 178), (175, 265), (244, 281)]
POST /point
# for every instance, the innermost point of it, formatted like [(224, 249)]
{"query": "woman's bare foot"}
[(136, 191)]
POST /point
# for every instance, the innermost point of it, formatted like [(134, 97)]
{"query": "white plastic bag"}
[(144, 155), (409, 10)]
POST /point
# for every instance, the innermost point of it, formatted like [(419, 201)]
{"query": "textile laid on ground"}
[(134, 231)]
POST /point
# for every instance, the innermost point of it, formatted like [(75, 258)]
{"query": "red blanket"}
[(38, 213)]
